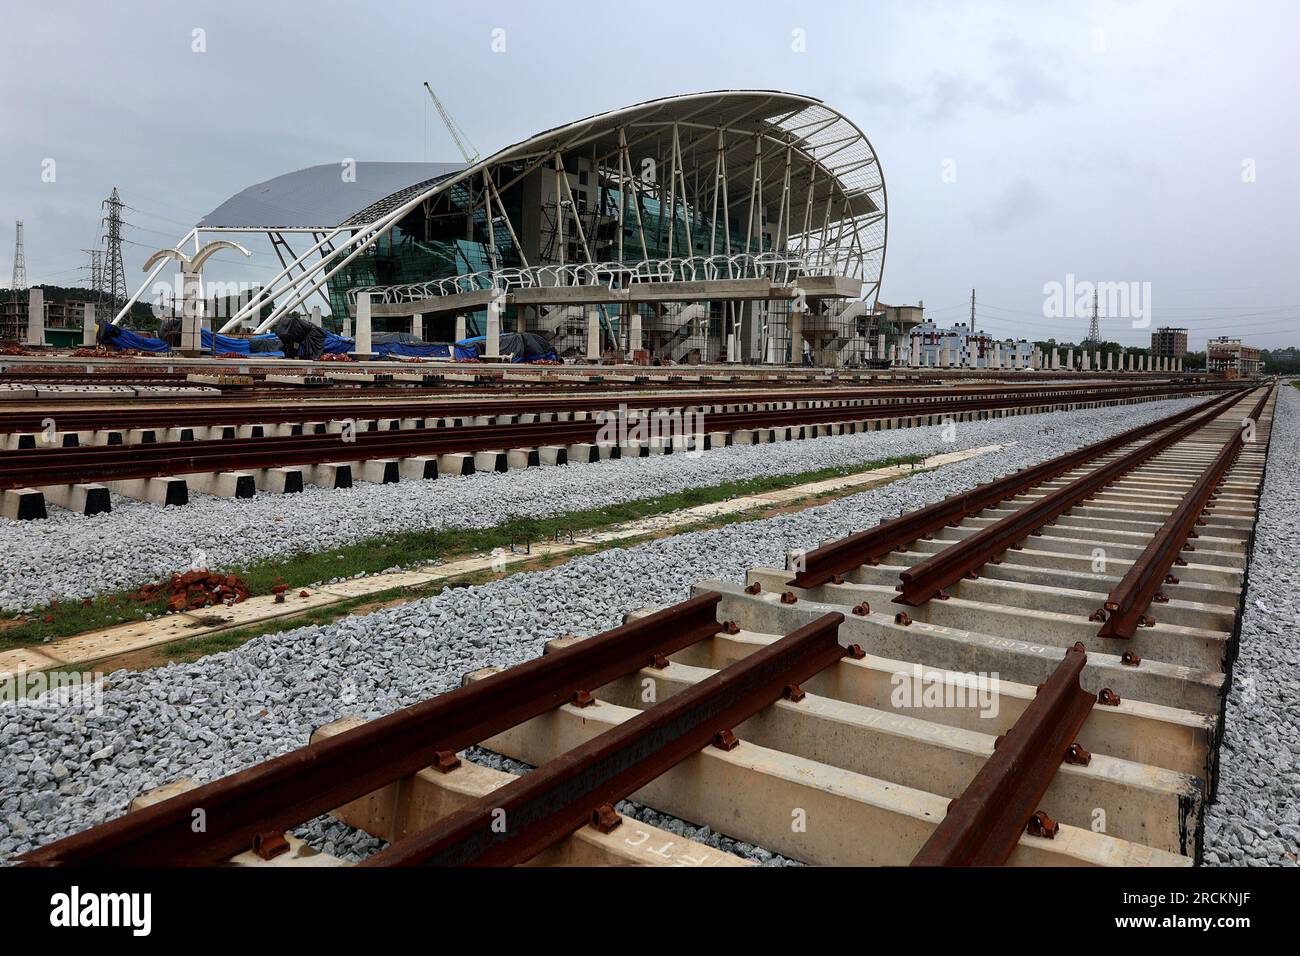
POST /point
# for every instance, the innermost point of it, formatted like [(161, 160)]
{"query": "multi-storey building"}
[(1168, 342), (1230, 356)]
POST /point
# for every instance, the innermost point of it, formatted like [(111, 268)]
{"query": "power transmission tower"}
[(20, 265), (96, 258), (1094, 327), (112, 287)]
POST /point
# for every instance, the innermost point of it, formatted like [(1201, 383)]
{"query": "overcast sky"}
[(1151, 142)]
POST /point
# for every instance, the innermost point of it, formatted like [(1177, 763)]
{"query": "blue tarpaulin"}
[(268, 346), (121, 338), (230, 343)]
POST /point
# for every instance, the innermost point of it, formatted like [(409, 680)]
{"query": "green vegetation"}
[(401, 550), (1280, 361)]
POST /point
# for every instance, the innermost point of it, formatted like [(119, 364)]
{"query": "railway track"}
[(334, 454), (229, 411), (1030, 672)]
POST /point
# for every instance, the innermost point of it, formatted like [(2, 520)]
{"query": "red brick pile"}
[(195, 589)]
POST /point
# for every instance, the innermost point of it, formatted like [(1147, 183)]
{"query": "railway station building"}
[(737, 225)]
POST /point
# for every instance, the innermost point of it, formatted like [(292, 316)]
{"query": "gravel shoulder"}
[(1255, 820), (65, 767)]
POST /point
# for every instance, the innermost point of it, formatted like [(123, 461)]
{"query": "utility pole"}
[(972, 310)]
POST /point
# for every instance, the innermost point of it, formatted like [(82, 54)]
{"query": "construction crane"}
[(456, 132)]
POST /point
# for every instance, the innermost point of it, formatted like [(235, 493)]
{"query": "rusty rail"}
[(984, 824), (308, 406), (825, 563), (930, 577), (288, 790), (1125, 609), (545, 806)]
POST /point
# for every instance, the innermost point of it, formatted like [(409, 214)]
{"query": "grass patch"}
[(401, 549)]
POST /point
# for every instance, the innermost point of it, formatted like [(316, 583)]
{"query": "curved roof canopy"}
[(733, 154), (321, 197)]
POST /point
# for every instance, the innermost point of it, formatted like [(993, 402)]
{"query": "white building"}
[(959, 347)]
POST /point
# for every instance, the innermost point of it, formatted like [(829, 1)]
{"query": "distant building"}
[(1231, 357), (959, 347), (1167, 342), (60, 312)]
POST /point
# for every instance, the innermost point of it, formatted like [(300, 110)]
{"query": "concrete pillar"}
[(315, 316), (35, 317), (346, 327), (1180, 364), (796, 336), (634, 332), (191, 334), (733, 347), (88, 328), (916, 351), (363, 346), (417, 326), (593, 335), (521, 321), (460, 328), (893, 355), (880, 342), (492, 338), (1056, 359)]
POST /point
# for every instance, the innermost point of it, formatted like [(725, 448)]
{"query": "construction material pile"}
[(196, 589)]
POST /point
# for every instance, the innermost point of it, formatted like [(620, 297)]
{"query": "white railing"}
[(780, 268)]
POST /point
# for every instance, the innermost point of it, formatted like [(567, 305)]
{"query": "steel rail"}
[(304, 783), (367, 406), (1125, 608), (91, 463), (513, 824), (930, 577), (837, 558), (984, 824)]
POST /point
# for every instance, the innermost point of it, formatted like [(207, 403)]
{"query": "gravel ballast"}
[(64, 769), (70, 556), (1255, 820)]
